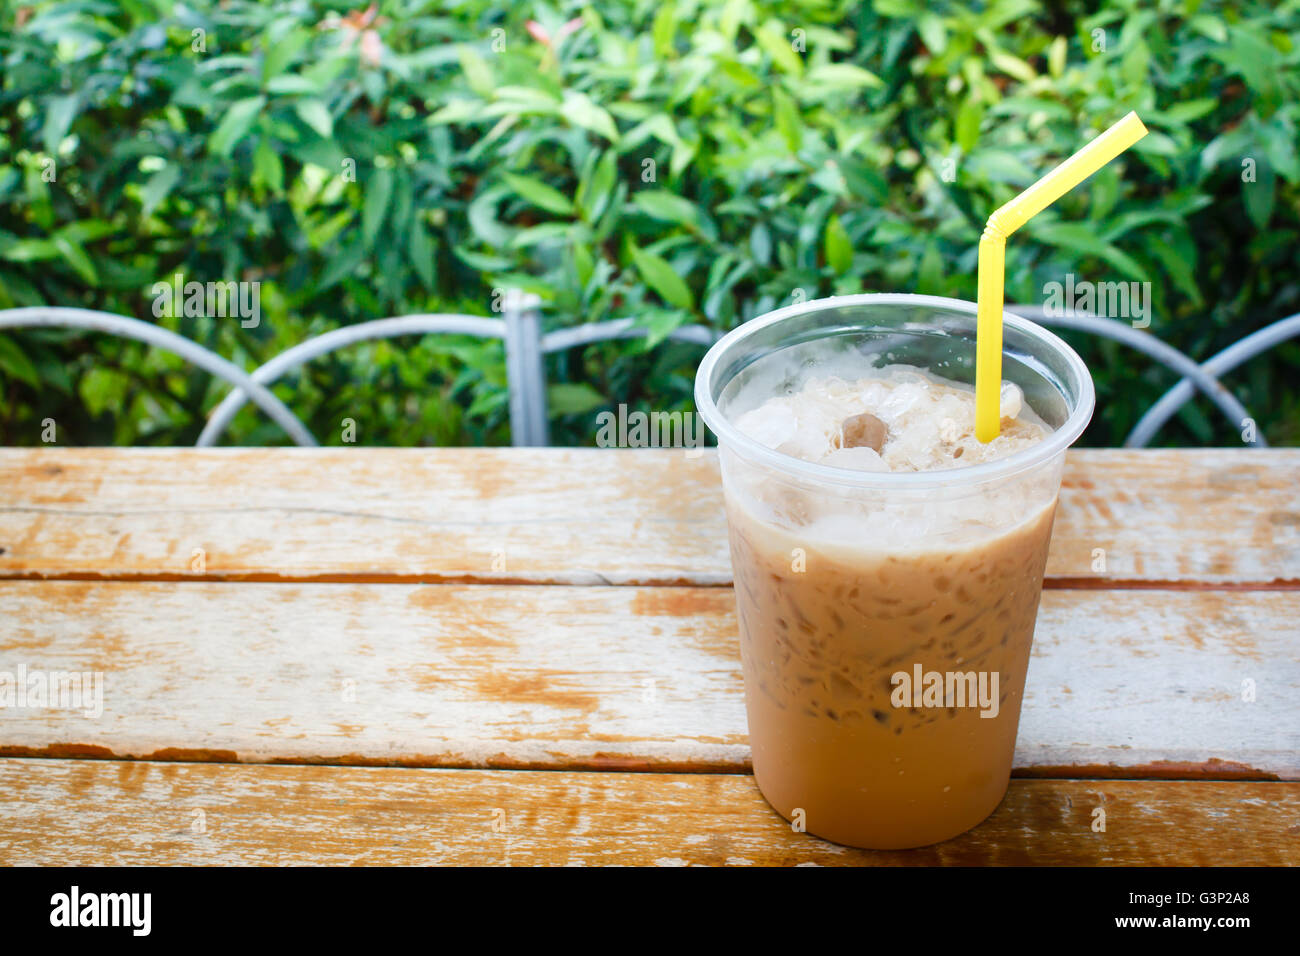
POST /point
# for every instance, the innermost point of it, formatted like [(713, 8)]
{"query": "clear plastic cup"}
[(847, 579)]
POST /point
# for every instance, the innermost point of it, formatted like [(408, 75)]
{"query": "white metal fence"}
[(527, 347)]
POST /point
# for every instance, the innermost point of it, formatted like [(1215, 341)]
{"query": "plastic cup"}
[(846, 580)]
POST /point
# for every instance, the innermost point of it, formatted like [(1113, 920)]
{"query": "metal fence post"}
[(525, 371)]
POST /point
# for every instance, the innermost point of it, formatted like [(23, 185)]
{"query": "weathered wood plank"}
[(1122, 683), (573, 516), (84, 812)]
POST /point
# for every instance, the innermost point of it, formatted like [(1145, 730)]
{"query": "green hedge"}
[(673, 162)]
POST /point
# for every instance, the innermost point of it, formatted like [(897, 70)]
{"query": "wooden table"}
[(530, 656)]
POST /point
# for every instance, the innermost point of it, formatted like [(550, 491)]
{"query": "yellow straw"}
[(1005, 221)]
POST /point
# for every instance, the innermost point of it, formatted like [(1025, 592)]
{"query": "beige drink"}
[(888, 568), (823, 635)]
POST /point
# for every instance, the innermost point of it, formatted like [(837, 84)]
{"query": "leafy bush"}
[(673, 162)]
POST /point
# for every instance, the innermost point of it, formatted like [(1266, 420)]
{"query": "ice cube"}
[(773, 424), (1010, 400), (860, 458)]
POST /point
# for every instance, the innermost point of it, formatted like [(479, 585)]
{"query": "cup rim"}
[(732, 438)]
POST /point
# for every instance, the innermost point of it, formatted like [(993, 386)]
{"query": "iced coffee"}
[(826, 627), (887, 564)]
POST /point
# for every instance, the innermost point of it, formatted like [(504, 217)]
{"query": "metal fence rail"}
[(1149, 345), (1222, 363), (527, 347), (53, 317), (338, 338)]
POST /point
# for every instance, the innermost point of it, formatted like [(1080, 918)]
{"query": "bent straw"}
[(992, 259)]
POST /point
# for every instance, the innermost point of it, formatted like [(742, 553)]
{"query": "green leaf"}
[(929, 274), (547, 232), (683, 153), (969, 116), (1013, 66), (1103, 192), (667, 206), (29, 250), (1191, 415), (1279, 142), (741, 74), (75, 256), (539, 194), (786, 118), (1179, 114), (933, 32), (481, 262), (378, 191), (321, 233), (1209, 26), (235, 125), (760, 244), (477, 72), (421, 251), (1134, 65), (457, 111), (584, 264), (659, 324), (1118, 226), (775, 43), (88, 230), (315, 114), (284, 51), (103, 389), (341, 265), (839, 250), (483, 221), (898, 8), (567, 398), (1260, 196), (1253, 58), (292, 84), (661, 277), (594, 192), (486, 402), (59, 114), (1056, 54), (1158, 144), (153, 192), (55, 373), (580, 110), (1001, 166), (663, 29), (1082, 240), (15, 363), (267, 166), (842, 76), (1181, 271)]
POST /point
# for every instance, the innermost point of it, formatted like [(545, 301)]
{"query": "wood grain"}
[(1188, 518), (99, 812), (1121, 684)]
